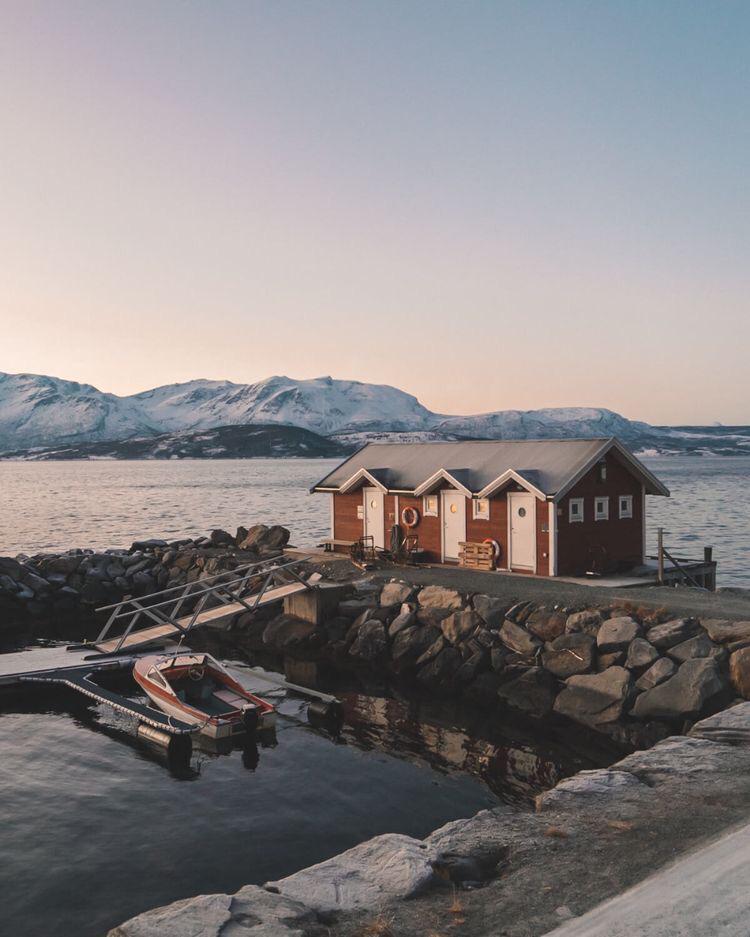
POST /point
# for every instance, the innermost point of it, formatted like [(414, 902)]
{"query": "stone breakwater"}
[(516, 873), (72, 584), (633, 674)]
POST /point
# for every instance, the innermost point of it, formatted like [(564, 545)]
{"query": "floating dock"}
[(212, 600)]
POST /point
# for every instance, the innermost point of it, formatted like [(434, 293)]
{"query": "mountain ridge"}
[(44, 411)]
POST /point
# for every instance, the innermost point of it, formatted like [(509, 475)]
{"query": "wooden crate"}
[(476, 555)]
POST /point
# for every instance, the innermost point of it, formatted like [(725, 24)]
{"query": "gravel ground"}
[(725, 603)]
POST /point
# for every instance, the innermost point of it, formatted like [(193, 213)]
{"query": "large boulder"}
[(252, 910), (670, 633), (685, 695), (569, 654), (616, 634), (261, 538), (661, 670), (472, 667), (432, 651), (439, 672), (727, 632), (595, 699), (405, 618), (396, 593), (546, 624), (411, 643), (640, 654), (518, 639), (287, 632), (699, 646), (439, 597), (221, 538), (588, 621), (532, 691), (460, 625), (739, 671), (490, 609), (380, 870), (371, 642)]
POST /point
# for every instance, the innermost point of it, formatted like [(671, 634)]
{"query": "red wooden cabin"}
[(553, 507)]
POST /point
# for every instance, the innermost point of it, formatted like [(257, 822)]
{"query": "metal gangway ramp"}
[(175, 611)]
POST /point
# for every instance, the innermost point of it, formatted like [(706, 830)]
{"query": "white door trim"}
[(443, 513), (366, 493), (552, 538), (526, 496)]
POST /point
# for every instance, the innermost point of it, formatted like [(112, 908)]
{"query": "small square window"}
[(575, 510), (601, 509), (430, 505), (481, 509), (626, 506)]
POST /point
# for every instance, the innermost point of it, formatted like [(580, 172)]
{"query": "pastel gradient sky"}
[(489, 204)]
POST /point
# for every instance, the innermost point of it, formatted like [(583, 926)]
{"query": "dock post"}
[(660, 553), (710, 569)]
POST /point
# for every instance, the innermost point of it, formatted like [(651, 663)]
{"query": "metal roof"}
[(549, 467)]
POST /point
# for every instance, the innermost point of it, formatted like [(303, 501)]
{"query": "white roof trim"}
[(510, 475), (441, 475), (638, 467), (359, 476)]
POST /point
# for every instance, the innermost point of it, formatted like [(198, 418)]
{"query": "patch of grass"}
[(381, 926)]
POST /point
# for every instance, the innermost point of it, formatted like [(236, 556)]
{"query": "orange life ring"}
[(410, 517), (495, 547)]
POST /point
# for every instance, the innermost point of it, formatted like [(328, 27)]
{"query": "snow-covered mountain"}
[(42, 411), (37, 410), (322, 405), (45, 411)]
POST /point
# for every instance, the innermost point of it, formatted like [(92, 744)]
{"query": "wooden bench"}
[(330, 545), (476, 555)]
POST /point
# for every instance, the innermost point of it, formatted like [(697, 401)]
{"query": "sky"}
[(491, 205)]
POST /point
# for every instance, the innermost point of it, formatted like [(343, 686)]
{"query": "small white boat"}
[(198, 690)]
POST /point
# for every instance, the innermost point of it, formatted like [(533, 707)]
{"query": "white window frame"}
[(475, 511), (575, 518), (601, 501), (628, 511), (425, 510)]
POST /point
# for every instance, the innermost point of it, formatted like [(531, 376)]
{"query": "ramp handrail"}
[(227, 591)]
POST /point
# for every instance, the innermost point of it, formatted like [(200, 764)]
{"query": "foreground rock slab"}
[(251, 912), (379, 870)]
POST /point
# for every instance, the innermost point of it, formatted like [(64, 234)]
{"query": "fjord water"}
[(57, 505)]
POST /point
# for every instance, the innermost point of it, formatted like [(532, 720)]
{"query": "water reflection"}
[(512, 761)]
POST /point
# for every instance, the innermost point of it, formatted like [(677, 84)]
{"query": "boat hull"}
[(149, 674)]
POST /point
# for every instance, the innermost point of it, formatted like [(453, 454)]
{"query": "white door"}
[(454, 523), (522, 533), (375, 516)]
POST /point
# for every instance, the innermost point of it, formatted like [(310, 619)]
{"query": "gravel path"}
[(727, 603)]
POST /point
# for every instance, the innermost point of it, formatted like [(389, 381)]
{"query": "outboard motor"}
[(326, 714)]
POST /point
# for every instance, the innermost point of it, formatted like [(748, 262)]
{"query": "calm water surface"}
[(57, 505), (96, 829)]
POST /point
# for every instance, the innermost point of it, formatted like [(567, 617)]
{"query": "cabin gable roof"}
[(548, 468)]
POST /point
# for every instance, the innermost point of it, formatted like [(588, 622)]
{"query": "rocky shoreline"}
[(633, 673), (69, 586)]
